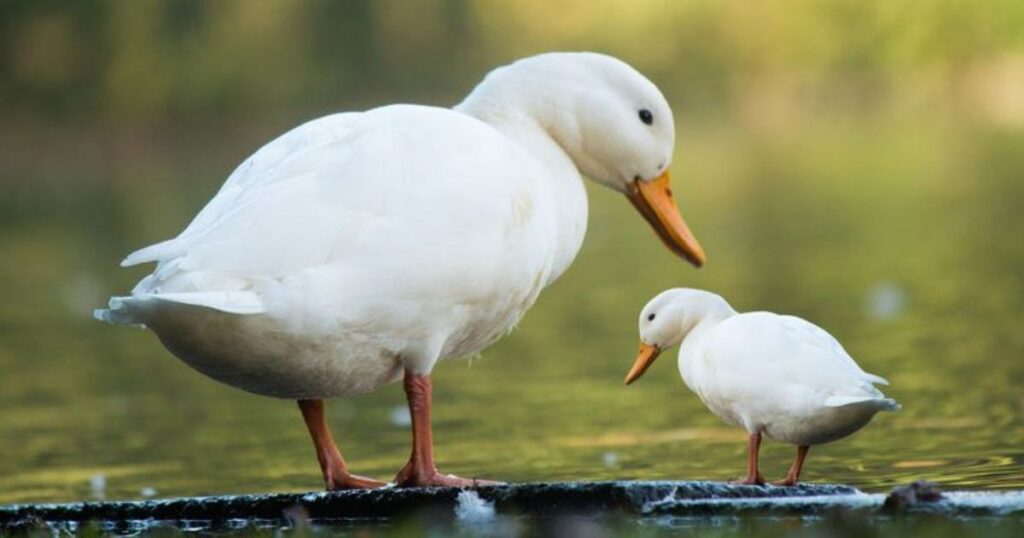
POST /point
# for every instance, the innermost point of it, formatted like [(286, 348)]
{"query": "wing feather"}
[(273, 163), (369, 191), (787, 349)]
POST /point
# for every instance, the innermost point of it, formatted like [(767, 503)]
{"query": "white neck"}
[(548, 91), (704, 310), (494, 104), (711, 311)]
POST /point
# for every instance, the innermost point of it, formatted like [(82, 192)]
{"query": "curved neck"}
[(535, 98), (523, 129), (704, 312), (494, 105)]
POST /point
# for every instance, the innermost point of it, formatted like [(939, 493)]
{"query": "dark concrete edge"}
[(529, 498), (623, 498)]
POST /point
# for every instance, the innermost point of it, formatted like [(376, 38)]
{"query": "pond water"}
[(904, 243)]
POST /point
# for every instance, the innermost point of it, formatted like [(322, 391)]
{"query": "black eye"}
[(650, 317), (646, 117)]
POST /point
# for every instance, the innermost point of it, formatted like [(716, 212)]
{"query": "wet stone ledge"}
[(629, 499)]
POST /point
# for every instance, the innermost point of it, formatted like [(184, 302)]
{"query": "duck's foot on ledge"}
[(421, 470), (409, 477), (343, 481), (757, 480)]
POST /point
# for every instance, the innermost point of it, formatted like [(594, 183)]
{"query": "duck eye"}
[(650, 317), (646, 116)]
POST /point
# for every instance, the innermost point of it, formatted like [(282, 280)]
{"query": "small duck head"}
[(612, 122), (669, 318)]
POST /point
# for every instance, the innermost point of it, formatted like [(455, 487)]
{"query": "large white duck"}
[(362, 248), (773, 375)]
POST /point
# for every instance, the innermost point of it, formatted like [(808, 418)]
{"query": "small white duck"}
[(362, 248), (779, 376)]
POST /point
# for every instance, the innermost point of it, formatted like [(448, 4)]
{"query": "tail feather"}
[(878, 380), (232, 302), (883, 404), (129, 310), (117, 314), (152, 253)]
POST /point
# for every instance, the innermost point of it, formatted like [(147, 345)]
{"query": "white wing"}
[(280, 160), (766, 356), (402, 197), (817, 340)]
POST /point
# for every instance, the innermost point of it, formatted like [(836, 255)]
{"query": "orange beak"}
[(653, 199), (644, 359)]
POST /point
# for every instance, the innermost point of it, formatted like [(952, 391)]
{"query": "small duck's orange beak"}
[(653, 199), (644, 359)]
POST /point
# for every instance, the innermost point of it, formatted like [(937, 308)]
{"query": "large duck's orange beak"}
[(653, 199), (644, 359)]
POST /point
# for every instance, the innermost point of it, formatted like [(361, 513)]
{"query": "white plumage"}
[(326, 249), (361, 246), (770, 374)]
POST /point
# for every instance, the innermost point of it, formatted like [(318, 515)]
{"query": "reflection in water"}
[(887, 214)]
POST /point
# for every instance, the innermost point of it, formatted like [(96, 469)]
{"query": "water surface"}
[(903, 242)]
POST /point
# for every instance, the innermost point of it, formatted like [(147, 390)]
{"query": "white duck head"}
[(669, 318), (613, 123)]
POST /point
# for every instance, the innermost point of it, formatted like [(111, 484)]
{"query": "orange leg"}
[(421, 471), (753, 473), (336, 475), (793, 476)]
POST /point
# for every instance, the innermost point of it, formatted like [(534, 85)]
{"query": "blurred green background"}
[(858, 163)]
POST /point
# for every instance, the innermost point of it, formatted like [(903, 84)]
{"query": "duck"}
[(362, 248), (775, 376)]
